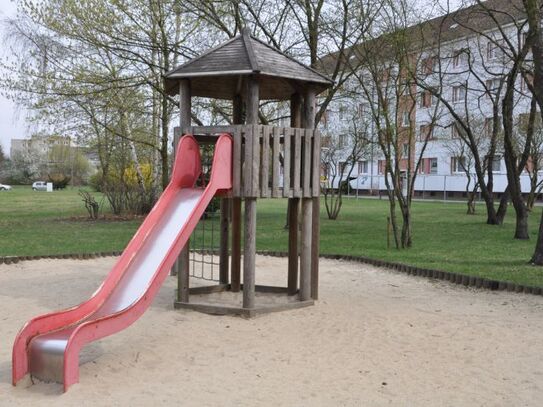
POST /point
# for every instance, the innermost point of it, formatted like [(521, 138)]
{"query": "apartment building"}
[(38, 144), (464, 63)]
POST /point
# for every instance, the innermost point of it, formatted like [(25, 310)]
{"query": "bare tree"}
[(535, 35), (389, 59), (343, 148), (463, 161)]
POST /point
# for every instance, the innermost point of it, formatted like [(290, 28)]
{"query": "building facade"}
[(467, 68)]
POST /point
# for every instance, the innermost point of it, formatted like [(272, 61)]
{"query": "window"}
[(341, 167), (361, 109), (426, 132), (426, 98), (492, 86), (381, 165), (433, 165), (325, 118), (524, 119), (495, 165), (341, 112), (459, 93), (342, 140), (405, 150), (488, 127), (459, 57), (458, 164), (494, 49), (405, 119), (362, 167), (455, 130), (522, 39), (429, 166), (429, 65), (524, 83)]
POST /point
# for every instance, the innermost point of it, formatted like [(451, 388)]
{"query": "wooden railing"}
[(270, 161)]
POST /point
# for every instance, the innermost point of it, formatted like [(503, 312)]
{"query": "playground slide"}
[(48, 346)]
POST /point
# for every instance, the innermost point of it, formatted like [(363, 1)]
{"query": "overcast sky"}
[(12, 121)]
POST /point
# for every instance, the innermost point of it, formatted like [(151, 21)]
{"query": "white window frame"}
[(455, 166), (363, 167), (405, 119), (458, 93), (433, 160)]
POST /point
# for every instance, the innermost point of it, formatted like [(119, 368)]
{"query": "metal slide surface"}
[(48, 346)]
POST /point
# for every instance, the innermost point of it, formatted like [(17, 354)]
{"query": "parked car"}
[(4, 187), (39, 186)]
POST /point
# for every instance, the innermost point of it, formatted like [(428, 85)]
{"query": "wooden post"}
[(306, 255), (235, 265), (249, 251), (223, 255), (184, 259), (293, 205)]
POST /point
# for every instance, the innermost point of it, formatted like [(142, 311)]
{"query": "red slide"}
[(48, 346)]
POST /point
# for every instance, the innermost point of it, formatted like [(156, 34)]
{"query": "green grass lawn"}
[(38, 223)]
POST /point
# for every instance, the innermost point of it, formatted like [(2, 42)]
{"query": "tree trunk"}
[(406, 227), (521, 229), (502, 208), (537, 257), (471, 203)]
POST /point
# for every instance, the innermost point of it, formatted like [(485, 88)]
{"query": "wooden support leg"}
[(305, 254), (223, 256), (175, 268), (249, 252), (183, 274), (315, 248), (294, 209), (235, 264)]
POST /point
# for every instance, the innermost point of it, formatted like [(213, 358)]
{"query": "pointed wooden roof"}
[(219, 72)]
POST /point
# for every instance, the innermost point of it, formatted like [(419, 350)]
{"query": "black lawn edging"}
[(454, 278)]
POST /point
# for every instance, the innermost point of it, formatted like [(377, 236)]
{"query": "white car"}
[(39, 186), (4, 187)]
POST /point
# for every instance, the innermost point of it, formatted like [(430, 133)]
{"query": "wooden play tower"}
[(268, 162)]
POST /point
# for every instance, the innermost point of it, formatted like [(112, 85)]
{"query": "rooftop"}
[(219, 72)]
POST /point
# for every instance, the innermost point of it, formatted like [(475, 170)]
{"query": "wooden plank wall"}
[(262, 155)]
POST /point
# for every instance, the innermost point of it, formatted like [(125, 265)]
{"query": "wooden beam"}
[(249, 254), (184, 259), (315, 248), (265, 160), (311, 205), (293, 204), (249, 251), (293, 211), (235, 260), (305, 253)]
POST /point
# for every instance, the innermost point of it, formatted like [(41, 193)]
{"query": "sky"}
[(12, 119)]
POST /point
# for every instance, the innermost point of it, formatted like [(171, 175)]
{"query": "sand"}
[(376, 338)]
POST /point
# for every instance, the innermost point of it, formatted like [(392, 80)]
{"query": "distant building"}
[(38, 144), (468, 68)]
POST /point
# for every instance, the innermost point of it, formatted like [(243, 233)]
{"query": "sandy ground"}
[(375, 338)]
